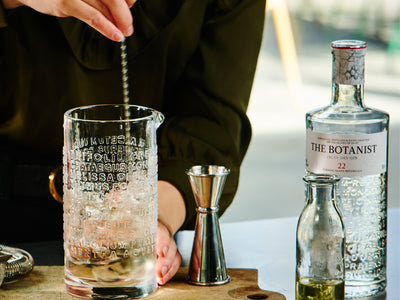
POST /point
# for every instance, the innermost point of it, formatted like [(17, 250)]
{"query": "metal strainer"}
[(15, 263)]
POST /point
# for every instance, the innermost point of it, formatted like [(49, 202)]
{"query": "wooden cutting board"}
[(47, 283)]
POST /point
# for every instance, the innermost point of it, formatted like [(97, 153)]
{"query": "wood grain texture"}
[(47, 283)]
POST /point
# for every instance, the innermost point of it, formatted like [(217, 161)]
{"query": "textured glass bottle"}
[(350, 140), (320, 243)]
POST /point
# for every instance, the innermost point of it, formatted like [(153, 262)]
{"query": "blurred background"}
[(294, 76)]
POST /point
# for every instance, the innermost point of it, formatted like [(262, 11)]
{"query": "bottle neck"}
[(321, 188), (348, 97), (320, 194), (348, 65)]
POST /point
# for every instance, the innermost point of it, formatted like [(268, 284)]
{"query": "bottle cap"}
[(348, 61)]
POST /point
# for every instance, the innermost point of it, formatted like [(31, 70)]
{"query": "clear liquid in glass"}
[(110, 250)]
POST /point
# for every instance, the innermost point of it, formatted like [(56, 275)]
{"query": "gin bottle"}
[(320, 242), (350, 140)]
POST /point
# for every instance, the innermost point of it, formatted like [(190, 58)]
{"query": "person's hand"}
[(112, 18), (168, 257), (171, 215)]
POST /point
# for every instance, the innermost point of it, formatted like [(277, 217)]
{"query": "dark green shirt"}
[(193, 60)]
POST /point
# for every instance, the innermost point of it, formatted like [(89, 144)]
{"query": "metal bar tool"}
[(207, 262)]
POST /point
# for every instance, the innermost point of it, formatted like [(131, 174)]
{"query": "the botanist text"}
[(335, 149)]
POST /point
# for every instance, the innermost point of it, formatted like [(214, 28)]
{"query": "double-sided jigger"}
[(207, 262)]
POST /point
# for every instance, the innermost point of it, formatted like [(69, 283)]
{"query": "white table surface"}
[(269, 246)]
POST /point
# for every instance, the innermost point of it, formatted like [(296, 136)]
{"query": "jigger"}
[(207, 262)]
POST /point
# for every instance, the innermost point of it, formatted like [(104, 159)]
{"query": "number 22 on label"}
[(341, 166)]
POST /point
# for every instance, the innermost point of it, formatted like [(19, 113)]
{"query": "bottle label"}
[(346, 155), (348, 66)]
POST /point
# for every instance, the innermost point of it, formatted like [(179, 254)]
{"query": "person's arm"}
[(171, 215), (171, 206), (206, 120), (111, 18)]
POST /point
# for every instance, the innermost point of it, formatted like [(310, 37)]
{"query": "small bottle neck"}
[(346, 96), (320, 194), (321, 188)]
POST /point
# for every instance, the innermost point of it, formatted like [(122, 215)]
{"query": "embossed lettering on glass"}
[(110, 201)]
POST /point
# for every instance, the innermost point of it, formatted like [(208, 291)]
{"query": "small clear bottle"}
[(350, 140), (320, 242)]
